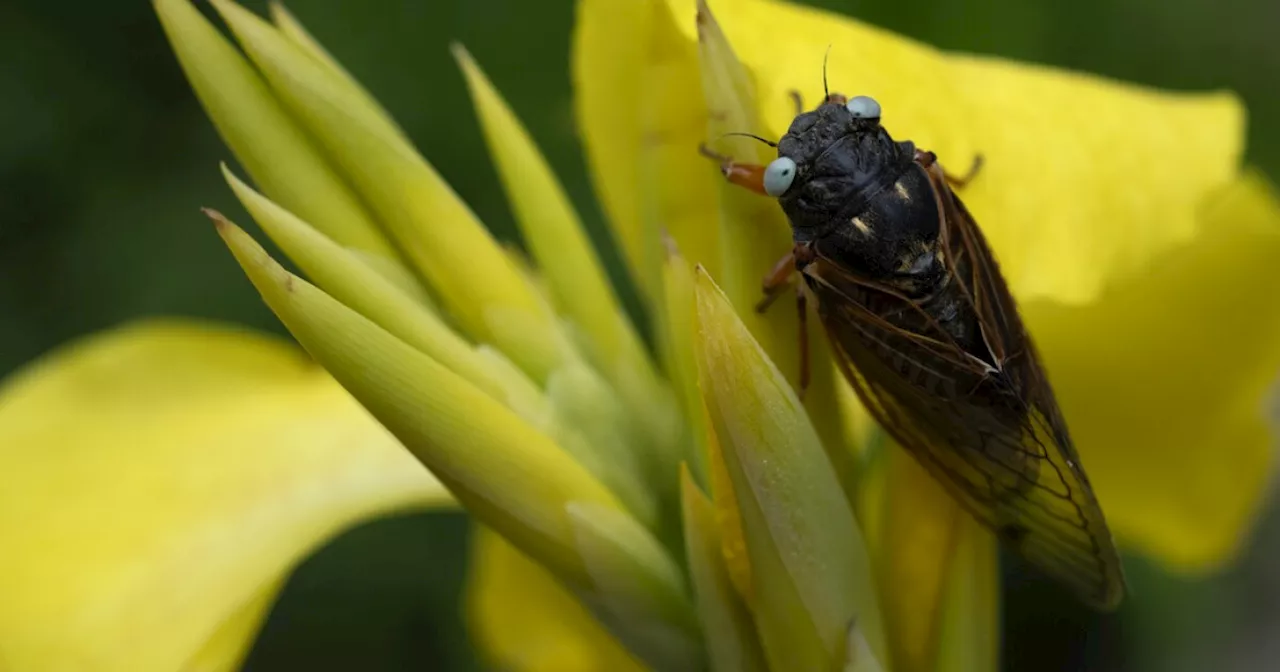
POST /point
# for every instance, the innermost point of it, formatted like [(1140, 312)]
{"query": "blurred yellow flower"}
[(165, 477)]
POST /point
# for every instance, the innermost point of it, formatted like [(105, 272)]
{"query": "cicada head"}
[(846, 185)]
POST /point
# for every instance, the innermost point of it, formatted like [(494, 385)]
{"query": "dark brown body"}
[(927, 333)]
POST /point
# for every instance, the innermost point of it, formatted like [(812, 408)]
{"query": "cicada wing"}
[(1011, 476), (993, 435)]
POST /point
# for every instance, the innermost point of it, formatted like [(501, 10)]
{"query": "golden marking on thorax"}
[(861, 226), (902, 190)]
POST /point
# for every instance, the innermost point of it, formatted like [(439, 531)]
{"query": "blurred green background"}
[(105, 157)]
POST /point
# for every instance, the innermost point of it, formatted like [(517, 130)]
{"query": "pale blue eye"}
[(778, 176), (863, 107)]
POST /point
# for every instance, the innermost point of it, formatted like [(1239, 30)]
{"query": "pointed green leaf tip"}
[(811, 573), (552, 228), (352, 281), (434, 229), (277, 153)]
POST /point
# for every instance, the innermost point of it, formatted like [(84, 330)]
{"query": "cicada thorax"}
[(916, 322), (889, 234)]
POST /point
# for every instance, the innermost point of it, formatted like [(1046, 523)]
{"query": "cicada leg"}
[(778, 278), (751, 176), (962, 181), (929, 158), (798, 100), (748, 175), (803, 322)]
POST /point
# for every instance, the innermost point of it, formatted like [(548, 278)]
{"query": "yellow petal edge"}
[(160, 481)]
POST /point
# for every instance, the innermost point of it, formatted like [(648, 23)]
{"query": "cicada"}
[(923, 326)]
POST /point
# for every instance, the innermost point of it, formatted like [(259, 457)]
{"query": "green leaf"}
[(810, 569)]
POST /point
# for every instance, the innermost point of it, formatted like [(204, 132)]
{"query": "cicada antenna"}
[(753, 136), (825, 92)]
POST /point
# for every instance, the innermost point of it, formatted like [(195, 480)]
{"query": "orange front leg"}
[(748, 175)]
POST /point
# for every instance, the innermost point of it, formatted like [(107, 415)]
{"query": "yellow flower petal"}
[(937, 569), (1084, 179), (270, 145), (226, 649), (811, 574), (160, 481), (639, 103), (937, 566), (732, 643), (969, 625), (913, 560), (525, 621), (435, 230), (1163, 382), (867, 449)]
